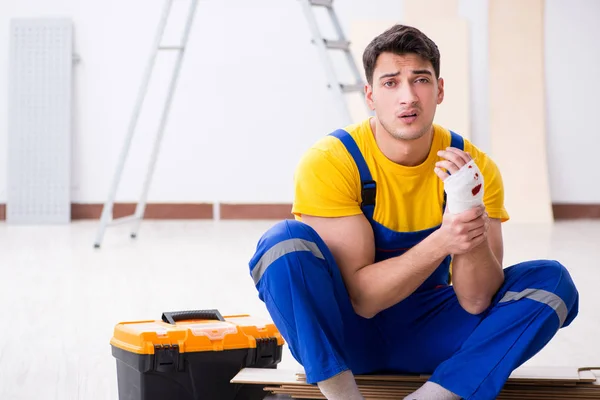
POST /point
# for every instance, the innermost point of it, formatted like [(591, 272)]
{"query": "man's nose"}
[(407, 94)]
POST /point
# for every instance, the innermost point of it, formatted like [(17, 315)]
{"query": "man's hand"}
[(455, 159), (461, 233), (477, 271)]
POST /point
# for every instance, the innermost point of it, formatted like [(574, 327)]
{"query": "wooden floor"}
[(61, 298)]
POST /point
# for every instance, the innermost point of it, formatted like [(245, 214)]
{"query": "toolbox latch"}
[(166, 358), (266, 354)]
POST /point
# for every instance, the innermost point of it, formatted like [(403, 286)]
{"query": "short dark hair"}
[(401, 39)]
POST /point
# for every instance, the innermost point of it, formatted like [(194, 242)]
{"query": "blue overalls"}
[(428, 332)]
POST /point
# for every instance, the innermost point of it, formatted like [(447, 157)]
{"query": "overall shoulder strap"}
[(457, 141), (368, 185)]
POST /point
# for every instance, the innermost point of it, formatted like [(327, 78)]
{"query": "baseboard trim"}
[(153, 210), (256, 211), (562, 211)]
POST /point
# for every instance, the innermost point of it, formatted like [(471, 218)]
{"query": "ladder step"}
[(354, 87), (322, 3), (337, 44), (170, 48)]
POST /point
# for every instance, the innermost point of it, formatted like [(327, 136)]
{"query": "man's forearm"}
[(388, 282), (476, 276)]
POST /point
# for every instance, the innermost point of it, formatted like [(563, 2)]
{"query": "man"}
[(360, 282)]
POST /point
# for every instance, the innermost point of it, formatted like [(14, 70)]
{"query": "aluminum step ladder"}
[(339, 89), (107, 212)]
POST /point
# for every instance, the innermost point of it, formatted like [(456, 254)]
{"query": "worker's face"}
[(404, 94)]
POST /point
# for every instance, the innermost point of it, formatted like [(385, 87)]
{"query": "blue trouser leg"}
[(428, 332), (537, 299), (424, 330), (302, 288)]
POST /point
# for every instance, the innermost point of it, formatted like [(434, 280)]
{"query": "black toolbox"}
[(193, 355)]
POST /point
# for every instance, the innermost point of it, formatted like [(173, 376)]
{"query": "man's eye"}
[(389, 84), (422, 80)]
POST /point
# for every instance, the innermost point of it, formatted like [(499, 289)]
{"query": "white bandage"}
[(464, 189)]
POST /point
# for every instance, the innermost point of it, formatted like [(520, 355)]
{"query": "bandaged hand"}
[(464, 182)]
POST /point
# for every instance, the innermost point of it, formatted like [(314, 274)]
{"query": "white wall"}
[(476, 12), (572, 64), (252, 96)]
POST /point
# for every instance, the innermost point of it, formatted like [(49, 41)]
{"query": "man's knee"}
[(546, 281), (553, 274), (284, 231), (546, 273), (287, 245)]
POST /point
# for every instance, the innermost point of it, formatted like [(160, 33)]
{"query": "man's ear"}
[(369, 96), (440, 95)]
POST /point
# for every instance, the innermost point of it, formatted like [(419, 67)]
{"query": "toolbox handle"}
[(174, 316)]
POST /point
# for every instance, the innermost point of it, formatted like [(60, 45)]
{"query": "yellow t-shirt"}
[(327, 182)]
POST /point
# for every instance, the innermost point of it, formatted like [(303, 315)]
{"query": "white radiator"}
[(39, 121)]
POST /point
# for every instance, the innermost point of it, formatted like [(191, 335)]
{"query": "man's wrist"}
[(438, 245)]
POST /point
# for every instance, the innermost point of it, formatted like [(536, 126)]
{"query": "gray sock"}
[(341, 387), (432, 391)]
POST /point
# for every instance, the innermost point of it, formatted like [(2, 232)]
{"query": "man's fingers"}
[(457, 157), (448, 165), (441, 173), (466, 157), (480, 239), (476, 224), (476, 232), (477, 240), (472, 214)]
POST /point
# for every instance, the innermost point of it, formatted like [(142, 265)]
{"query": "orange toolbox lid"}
[(194, 331)]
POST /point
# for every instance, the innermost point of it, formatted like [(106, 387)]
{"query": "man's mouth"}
[(409, 116)]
